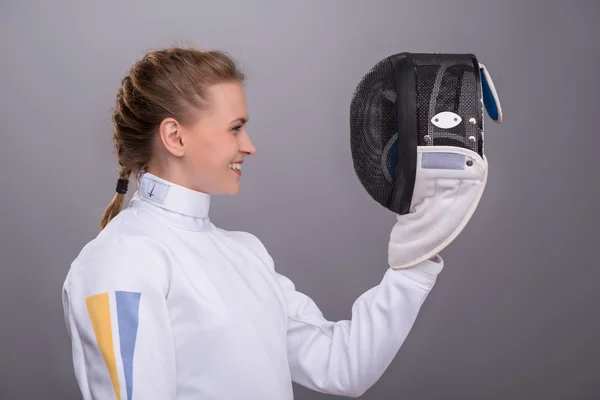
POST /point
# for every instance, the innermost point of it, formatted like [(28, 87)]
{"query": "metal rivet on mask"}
[(472, 120), (427, 139), (472, 138), (469, 162)]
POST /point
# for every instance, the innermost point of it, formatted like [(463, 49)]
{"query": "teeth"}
[(235, 166)]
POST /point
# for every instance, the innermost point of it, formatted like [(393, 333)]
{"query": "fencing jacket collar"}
[(164, 305), (172, 203)]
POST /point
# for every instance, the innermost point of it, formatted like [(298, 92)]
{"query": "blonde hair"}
[(166, 83)]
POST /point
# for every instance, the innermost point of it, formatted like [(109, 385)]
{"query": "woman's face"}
[(208, 154)]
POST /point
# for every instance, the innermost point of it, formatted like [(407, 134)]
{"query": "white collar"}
[(181, 206)]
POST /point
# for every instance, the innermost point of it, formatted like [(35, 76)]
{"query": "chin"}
[(223, 188), (232, 190)]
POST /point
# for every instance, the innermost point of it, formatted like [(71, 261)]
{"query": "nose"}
[(246, 145)]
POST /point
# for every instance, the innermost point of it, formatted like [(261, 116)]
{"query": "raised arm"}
[(347, 357)]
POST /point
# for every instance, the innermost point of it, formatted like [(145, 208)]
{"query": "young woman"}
[(165, 305)]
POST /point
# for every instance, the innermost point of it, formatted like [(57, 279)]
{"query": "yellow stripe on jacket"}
[(99, 310)]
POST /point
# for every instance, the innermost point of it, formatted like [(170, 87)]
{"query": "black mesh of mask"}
[(391, 112)]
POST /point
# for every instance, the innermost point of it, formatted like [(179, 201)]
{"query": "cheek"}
[(227, 148), (216, 153)]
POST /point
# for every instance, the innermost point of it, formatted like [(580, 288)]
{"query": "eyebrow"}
[(241, 119)]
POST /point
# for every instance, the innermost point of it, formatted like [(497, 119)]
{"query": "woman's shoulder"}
[(120, 256), (248, 240), (244, 238)]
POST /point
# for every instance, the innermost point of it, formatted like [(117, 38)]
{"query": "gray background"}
[(514, 315)]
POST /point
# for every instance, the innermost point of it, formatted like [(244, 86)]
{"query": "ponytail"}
[(116, 204)]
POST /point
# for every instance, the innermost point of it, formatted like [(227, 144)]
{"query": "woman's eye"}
[(237, 128)]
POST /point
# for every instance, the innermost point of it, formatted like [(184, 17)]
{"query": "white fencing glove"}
[(450, 182)]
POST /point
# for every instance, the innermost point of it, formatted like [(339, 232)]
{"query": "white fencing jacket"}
[(165, 305)]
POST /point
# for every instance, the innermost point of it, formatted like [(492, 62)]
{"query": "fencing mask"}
[(417, 142)]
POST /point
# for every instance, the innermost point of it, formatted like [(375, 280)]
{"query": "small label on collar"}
[(155, 191)]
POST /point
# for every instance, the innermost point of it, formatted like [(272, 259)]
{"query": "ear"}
[(490, 96), (169, 131)]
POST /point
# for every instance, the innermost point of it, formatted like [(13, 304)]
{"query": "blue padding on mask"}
[(488, 99)]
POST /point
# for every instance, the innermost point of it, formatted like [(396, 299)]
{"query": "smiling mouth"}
[(236, 167)]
